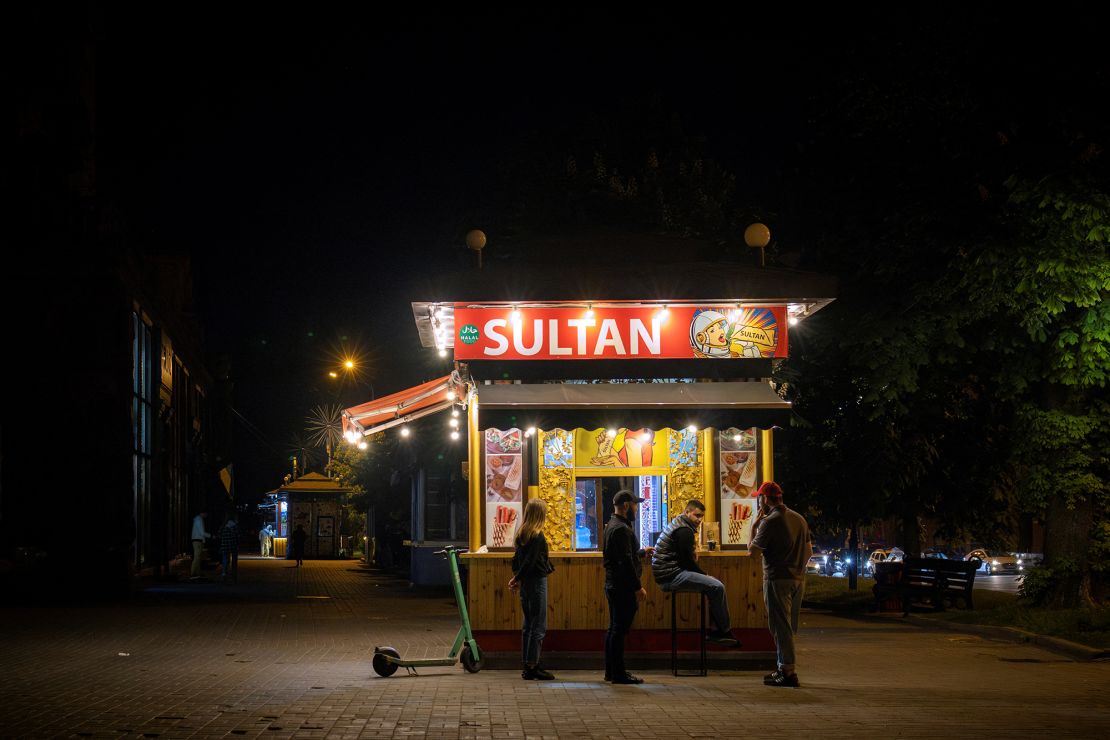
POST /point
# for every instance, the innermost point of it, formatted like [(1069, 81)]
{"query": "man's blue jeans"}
[(688, 580), (533, 602), (783, 598)]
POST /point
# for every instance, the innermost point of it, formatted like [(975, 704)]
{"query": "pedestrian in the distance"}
[(229, 549), (782, 536), (266, 541), (531, 566), (299, 536), (200, 534)]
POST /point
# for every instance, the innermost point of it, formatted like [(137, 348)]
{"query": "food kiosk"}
[(314, 502), (570, 400)]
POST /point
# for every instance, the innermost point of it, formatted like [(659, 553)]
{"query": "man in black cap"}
[(623, 590)]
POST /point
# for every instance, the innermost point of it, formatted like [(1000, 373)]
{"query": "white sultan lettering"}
[(502, 342), (581, 325), (537, 338), (554, 348), (609, 337), (639, 331)]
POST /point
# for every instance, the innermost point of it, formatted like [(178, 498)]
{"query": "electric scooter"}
[(387, 660)]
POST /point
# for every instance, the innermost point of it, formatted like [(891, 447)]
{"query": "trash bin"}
[(887, 577)]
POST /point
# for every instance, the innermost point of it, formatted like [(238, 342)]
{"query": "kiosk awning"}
[(403, 406), (746, 395), (651, 405)]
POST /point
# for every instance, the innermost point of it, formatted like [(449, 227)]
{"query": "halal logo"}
[(468, 334)]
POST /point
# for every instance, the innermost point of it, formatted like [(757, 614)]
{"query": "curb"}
[(1013, 634)]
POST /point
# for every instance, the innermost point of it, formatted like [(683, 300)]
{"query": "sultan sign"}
[(613, 333)]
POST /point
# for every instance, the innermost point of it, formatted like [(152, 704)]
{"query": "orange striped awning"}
[(407, 405)]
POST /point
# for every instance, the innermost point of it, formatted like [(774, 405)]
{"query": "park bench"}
[(935, 580)]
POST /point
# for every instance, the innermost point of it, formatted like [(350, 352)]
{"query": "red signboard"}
[(619, 333)]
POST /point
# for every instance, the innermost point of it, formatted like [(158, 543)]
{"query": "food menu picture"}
[(504, 476), (739, 466)]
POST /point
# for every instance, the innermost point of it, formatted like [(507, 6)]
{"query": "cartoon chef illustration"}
[(711, 335)]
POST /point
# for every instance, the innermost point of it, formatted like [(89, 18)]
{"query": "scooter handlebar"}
[(448, 549)]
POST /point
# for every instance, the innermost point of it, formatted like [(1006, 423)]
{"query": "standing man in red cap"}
[(781, 535)]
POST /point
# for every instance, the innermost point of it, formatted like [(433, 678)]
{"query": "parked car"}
[(941, 553), (817, 564), (995, 562), (877, 556), (1027, 560)]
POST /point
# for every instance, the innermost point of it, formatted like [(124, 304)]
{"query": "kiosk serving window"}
[(593, 505)]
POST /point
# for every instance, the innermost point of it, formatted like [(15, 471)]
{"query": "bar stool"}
[(702, 665)]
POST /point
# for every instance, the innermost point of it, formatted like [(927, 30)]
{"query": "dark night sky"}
[(310, 163)]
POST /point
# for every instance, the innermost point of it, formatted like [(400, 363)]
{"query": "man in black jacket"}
[(623, 590), (675, 567)]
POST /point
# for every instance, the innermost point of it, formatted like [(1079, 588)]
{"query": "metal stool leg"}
[(674, 634), (703, 666), (701, 635)]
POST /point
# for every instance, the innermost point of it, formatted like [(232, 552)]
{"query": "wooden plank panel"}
[(576, 595)]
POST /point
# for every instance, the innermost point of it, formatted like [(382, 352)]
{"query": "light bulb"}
[(692, 428), (442, 352), (404, 431), (362, 445), (455, 413), (453, 422), (610, 433), (793, 320), (454, 435), (450, 395)]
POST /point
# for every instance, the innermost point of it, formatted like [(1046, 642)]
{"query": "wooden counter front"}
[(576, 593)]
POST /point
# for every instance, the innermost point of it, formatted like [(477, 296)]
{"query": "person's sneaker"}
[(539, 674), (627, 678), (725, 639), (779, 679)]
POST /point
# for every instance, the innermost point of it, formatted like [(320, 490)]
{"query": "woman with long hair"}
[(531, 567)]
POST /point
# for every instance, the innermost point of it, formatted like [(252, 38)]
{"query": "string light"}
[(442, 352), (792, 320), (454, 435), (515, 315), (589, 310), (529, 431), (362, 445), (692, 428), (453, 422), (450, 395), (404, 431), (455, 413), (610, 433), (645, 437)]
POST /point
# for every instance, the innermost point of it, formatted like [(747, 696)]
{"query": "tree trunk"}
[(1067, 540), (853, 548), (911, 535)]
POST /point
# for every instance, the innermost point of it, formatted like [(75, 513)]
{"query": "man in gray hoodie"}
[(675, 567)]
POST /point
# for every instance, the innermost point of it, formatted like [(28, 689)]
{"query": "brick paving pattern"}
[(285, 653)]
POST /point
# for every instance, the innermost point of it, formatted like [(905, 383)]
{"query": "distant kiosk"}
[(314, 502)]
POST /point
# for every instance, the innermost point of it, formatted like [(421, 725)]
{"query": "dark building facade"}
[(106, 417)]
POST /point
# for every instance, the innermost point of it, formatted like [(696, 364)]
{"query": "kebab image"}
[(504, 521), (739, 514)]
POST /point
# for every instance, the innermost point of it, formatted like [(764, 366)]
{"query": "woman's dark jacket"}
[(530, 559)]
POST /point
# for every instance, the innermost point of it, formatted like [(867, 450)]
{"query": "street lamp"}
[(350, 368)]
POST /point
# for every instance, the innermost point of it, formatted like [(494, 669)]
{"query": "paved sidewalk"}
[(285, 653)]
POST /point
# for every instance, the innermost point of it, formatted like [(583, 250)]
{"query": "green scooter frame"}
[(465, 650)]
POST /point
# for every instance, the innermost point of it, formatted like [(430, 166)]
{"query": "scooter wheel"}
[(468, 662), (382, 665)]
